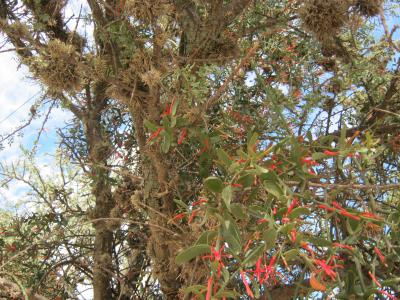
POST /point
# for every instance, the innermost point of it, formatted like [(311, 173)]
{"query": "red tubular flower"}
[(292, 205), (309, 162), (270, 269), (168, 110), (326, 207), (293, 235), (236, 185), (209, 288), (349, 215), (374, 279), (274, 210), (337, 205), (217, 255), (388, 295), (326, 268), (179, 217), (183, 134), (246, 284), (155, 134), (338, 245), (307, 248), (261, 221), (200, 201), (192, 215), (247, 246), (370, 215), (331, 153), (380, 255), (259, 270)]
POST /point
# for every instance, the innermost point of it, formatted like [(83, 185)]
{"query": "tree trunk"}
[(99, 151)]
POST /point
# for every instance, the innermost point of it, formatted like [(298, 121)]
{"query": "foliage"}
[(223, 149)]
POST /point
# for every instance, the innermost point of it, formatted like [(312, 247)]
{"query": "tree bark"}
[(99, 150)]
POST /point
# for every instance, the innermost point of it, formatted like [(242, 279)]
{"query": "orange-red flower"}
[(326, 207), (155, 134), (292, 205), (380, 255), (209, 288), (331, 153), (338, 245), (246, 284), (374, 279), (328, 270), (183, 134)]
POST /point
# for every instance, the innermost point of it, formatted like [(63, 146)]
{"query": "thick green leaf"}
[(227, 193), (252, 142), (298, 211), (150, 125), (207, 237), (214, 184), (246, 180), (223, 157), (273, 188), (192, 252), (291, 255), (237, 211), (269, 236), (253, 255), (319, 242)]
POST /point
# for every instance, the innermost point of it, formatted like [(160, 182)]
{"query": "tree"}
[(233, 148)]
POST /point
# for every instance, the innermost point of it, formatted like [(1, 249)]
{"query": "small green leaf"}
[(175, 107), (192, 252), (291, 255), (227, 193), (253, 255), (318, 156), (166, 142), (269, 236), (317, 241), (237, 211), (252, 142), (207, 237), (298, 211), (196, 289), (214, 184), (246, 180), (272, 188), (223, 157), (150, 125)]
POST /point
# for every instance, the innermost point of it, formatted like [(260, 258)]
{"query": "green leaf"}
[(285, 229), (196, 289), (298, 211), (166, 142), (150, 125), (223, 157), (192, 252), (253, 255), (230, 232), (269, 236), (319, 242), (175, 107), (207, 237), (237, 211), (318, 156), (252, 142), (273, 188), (246, 180), (214, 184), (291, 255), (227, 193)]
